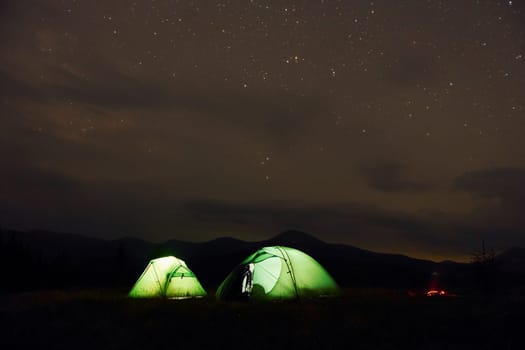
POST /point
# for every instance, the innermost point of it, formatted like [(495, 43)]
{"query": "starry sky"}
[(395, 126)]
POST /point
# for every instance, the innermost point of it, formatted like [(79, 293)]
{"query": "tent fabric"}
[(167, 277), (278, 273)]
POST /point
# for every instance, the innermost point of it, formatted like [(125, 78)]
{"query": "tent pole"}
[(290, 269), (162, 292)]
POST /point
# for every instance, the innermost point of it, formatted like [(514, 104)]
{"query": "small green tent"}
[(167, 277), (277, 273)]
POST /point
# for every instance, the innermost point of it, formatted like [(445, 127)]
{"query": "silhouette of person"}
[(247, 280)]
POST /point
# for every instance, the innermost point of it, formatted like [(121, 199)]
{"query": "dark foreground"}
[(102, 319)]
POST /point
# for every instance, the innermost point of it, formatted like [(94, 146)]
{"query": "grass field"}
[(362, 319)]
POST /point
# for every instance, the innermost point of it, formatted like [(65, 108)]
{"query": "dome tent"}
[(167, 277), (277, 273)]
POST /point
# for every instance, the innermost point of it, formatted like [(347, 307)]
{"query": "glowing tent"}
[(277, 273), (167, 277)]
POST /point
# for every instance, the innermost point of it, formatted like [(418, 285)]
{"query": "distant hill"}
[(77, 249), (86, 260), (511, 263), (512, 259)]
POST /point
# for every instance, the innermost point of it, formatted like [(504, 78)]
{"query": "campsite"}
[(262, 174), (68, 309)]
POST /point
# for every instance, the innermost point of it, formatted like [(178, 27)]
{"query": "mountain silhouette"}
[(295, 238), (98, 260), (511, 264), (512, 259)]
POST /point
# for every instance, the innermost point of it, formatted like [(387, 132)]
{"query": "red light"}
[(433, 292)]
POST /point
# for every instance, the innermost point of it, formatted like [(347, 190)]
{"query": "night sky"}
[(396, 126)]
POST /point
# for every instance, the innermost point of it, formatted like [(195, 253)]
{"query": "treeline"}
[(25, 267)]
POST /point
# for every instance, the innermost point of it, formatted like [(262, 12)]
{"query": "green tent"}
[(277, 273), (167, 277)]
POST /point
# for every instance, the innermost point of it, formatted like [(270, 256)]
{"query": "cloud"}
[(12, 87), (18, 24), (346, 219), (279, 117), (503, 183), (41, 181), (501, 196), (392, 177)]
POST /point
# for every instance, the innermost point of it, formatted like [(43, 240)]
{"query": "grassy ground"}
[(362, 319)]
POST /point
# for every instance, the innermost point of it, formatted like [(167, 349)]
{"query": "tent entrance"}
[(167, 277), (267, 274)]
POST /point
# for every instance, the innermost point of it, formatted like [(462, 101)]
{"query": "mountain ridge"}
[(212, 260), (291, 237)]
